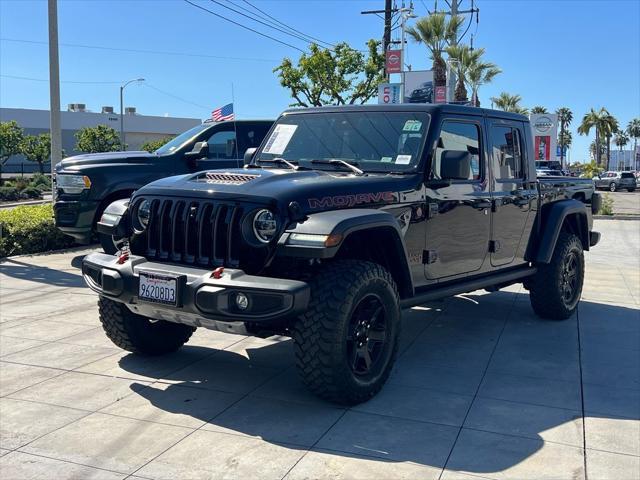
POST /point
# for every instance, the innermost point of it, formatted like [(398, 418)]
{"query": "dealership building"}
[(138, 129)]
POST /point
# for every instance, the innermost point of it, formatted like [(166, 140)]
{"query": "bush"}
[(607, 205), (41, 180), (30, 229), (31, 192), (9, 193)]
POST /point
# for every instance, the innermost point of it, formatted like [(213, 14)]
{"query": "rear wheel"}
[(556, 287), (139, 334), (613, 187), (346, 342)]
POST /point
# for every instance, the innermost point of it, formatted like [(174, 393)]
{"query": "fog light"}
[(242, 302)]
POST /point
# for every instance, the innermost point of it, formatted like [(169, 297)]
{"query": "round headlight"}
[(144, 213), (264, 225)]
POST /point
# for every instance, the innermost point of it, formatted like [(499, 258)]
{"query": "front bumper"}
[(75, 218), (203, 301)]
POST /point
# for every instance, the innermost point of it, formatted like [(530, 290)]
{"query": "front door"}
[(223, 150), (458, 201), (513, 192)]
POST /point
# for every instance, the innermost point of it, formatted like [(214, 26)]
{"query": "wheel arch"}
[(566, 215), (108, 200)]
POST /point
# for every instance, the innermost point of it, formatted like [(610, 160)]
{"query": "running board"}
[(436, 293)]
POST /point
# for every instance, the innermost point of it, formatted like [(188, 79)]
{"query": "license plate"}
[(158, 289)]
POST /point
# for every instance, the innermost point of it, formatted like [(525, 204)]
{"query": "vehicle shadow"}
[(14, 268), (421, 423)]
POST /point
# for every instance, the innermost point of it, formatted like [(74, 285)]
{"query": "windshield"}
[(374, 141), (181, 139)]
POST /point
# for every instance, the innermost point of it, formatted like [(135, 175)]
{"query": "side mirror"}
[(437, 183), (455, 165), (248, 155)]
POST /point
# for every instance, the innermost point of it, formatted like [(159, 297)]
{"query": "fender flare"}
[(554, 218), (114, 220), (339, 225)]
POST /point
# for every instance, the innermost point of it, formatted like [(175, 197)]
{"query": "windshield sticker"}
[(403, 159), (386, 159), (412, 126), (279, 139)]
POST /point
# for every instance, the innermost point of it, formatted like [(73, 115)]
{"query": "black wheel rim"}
[(368, 335), (570, 276)]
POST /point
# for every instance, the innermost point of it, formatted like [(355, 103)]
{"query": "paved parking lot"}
[(625, 203), (482, 389)]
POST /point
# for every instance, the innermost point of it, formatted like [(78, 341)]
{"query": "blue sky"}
[(579, 54)]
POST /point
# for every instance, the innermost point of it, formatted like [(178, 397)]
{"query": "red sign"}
[(393, 61), (441, 94), (542, 147)]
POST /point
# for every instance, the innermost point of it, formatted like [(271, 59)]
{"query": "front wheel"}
[(631, 189), (613, 187), (556, 287), (111, 245), (347, 341)]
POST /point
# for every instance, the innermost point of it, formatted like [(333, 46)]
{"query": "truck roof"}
[(431, 108)]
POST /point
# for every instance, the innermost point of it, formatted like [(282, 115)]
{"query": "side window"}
[(250, 136), (457, 155), (507, 153), (222, 145)]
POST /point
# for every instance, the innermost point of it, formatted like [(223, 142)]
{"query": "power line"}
[(285, 25), (176, 97), (16, 77), (133, 50), (244, 26)]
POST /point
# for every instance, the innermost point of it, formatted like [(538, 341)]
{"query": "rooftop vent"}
[(130, 110), (107, 109), (77, 107)]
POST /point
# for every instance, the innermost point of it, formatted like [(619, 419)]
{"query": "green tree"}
[(100, 138), (621, 139), (509, 103), (633, 130), (595, 120), (436, 32), (565, 117), (592, 151), (539, 109), (480, 74), (565, 139), (592, 169), (610, 127), (37, 148), (11, 136), (466, 61), (341, 76), (153, 145)]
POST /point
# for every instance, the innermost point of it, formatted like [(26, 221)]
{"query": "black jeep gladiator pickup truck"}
[(343, 217), (87, 184)]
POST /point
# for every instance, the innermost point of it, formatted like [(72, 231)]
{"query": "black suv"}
[(345, 216), (86, 184)]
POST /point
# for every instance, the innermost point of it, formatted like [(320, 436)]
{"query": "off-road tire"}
[(631, 189), (320, 334), (139, 334), (107, 244), (546, 286)]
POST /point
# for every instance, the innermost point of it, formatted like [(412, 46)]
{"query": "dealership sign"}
[(544, 128), (389, 93), (441, 94), (393, 61)]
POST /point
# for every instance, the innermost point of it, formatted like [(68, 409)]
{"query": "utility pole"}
[(388, 16), (54, 91), (122, 87)]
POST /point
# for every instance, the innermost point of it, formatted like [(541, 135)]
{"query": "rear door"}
[(513, 192)]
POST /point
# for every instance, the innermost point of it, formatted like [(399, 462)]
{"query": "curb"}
[(617, 217), (20, 204), (79, 248)]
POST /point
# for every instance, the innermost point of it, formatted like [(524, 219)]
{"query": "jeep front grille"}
[(195, 232)]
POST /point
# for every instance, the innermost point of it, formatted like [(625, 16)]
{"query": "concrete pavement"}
[(482, 389)]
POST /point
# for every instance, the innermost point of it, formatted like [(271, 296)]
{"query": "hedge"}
[(30, 229)]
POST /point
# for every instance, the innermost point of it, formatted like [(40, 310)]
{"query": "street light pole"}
[(54, 90), (122, 87)]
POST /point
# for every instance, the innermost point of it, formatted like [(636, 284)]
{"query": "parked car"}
[(613, 181), (547, 172), (87, 184), (345, 216), (422, 94)]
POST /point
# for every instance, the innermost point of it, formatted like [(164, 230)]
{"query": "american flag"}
[(223, 113)]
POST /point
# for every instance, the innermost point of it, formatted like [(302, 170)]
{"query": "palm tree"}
[(595, 120), (633, 130), (509, 103), (436, 32), (565, 116), (480, 74), (462, 58), (610, 126), (621, 139), (539, 109), (564, 141)]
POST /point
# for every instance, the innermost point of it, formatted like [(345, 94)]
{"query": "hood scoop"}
[(224, 178)]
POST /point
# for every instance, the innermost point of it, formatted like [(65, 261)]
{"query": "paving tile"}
[(453, 380), (276, 421), (288, 386), (45, 330), (338, 466), (105, 441), (93, 337), (9, 345), (601, 399), (612, 367), (59, 355), (612, 434), (86, 315), (447, 355), (391, 438), (3, 452), (23, 422), (540, 391), (23, 466), (612, 466), (79, 390), (454, 475), (196, 458), (14, 377), (523, 420), (418, 404), (273, 352), (508, 457), (213, 340), (46, 304), (172, 404)]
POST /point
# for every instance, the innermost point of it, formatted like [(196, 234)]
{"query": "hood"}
[(313, 190), (78, 162)]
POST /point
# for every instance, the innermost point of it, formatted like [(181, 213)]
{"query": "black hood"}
[(79, 162), (313, 190)]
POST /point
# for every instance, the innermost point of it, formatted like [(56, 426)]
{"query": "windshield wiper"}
[(336, 162), (280, 160)]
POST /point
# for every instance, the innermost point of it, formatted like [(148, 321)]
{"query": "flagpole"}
[(235, 125)]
